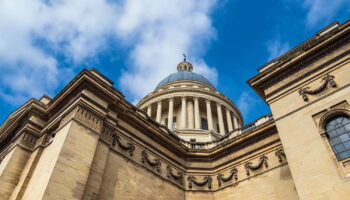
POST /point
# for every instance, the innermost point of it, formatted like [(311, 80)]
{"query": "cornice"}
[(294, 63)]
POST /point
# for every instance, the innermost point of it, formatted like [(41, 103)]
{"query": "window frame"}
[(341, 143)]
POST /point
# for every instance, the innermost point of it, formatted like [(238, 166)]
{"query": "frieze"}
[(154, 163), (126, 147), (193, 180), (327, 79), (28, 140), (85, 117), (280, 155), (249, 165), (221, 178), (178, 176)]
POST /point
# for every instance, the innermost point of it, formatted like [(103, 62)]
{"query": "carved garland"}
[(249, 165), (128, 147), (280, 154), (206, 180), (155, 163), (222, 178), (178, 176), (325, 80)]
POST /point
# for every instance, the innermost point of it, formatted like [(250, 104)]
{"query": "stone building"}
[(186, 140)]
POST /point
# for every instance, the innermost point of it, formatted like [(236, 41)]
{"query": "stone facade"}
[(89, 143)]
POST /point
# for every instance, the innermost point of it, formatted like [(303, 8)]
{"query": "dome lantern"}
[(184, 66)]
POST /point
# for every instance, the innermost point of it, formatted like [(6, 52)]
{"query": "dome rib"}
[(184, 75)]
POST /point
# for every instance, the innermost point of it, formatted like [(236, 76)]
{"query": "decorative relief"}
[(206, 181), (280, 155), (249, 165), (48, 138), (85, 117), (155, 163), (325, 80), (107, 133), (221, 178), (28, 140), (126, 147), (346, 163), (178, 176), (88, 119)]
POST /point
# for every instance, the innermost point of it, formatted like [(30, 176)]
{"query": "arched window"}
[(338, 132)]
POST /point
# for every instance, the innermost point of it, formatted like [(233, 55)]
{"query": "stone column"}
[(149, 110), (209, 115), (183, 112), (229, 120), (190, 114), (220, 118), (170, 113), (197, 119), (159, 111), (235, 122)]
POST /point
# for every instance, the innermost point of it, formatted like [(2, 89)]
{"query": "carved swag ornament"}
[(249, 165), (178, 176), (221, 178), (128, 147), (206, 181), (280, 155), (325, 80), (155, 163)]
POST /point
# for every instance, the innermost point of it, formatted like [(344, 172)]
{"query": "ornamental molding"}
[(302, 63), (221, 178), (326, 80), (85, 117), (48, 138), (126, 147), (249, 165), (183, 92), (179, 176), (28, 140), (280, 155), (331, 112), (193, 180), (153, 163)]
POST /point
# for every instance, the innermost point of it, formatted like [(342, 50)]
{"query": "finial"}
[(184, 57)]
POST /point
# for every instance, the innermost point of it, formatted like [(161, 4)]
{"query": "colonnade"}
[(190, 115)]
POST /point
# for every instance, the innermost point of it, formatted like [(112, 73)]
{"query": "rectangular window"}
[(204, 124), (174, 122)]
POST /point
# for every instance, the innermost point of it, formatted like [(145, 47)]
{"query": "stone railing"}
[(207, 145), (230, 135)]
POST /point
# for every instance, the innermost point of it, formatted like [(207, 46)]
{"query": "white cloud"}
[(35, 32), (246, 103), (322, 11), (276, 48), (163, 31)]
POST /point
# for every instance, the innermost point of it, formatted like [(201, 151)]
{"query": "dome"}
[(184, 75)]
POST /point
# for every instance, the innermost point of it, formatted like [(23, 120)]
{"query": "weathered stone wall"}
[(316, 171), (276, 184)]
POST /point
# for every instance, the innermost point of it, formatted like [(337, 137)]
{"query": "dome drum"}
[(188, 104), (194, 116)]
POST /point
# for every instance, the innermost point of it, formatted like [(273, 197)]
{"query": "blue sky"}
[(44, 44)]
